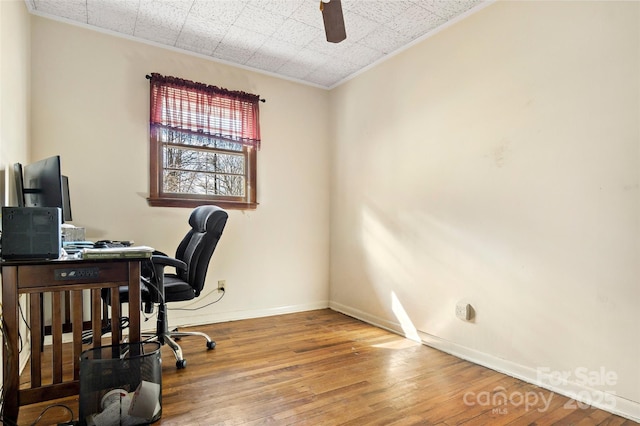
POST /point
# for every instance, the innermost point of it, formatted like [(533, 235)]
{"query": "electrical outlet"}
[(222, 285), (463, 311)]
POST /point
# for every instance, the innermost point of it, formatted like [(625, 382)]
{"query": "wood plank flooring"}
[(324, 368)]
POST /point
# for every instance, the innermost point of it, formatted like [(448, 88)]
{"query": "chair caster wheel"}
[(181, 364), (211, 345)]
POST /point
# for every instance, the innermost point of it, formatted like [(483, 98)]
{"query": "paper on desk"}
[(117, 252), (119, 249)]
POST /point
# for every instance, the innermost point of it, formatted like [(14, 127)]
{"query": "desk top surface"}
[(31, 262)]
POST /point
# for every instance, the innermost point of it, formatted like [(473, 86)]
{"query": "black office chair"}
[(191, 263)]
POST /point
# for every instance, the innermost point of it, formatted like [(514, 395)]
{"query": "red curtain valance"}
[(183, 105)]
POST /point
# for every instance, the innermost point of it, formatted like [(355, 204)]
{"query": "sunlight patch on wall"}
[(408, 328), (390, 266)]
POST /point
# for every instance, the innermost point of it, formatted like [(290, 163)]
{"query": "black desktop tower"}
[(31, 232)]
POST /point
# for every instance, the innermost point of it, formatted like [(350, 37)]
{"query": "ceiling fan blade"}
[(333, 21)]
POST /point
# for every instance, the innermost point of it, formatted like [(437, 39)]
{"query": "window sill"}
[(193, 203)]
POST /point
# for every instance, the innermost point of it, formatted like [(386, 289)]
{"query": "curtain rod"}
[(148, 77)]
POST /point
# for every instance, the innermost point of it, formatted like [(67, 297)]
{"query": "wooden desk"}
[(35, 278)]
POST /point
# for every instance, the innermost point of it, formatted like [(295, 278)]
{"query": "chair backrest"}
[(196, 248)]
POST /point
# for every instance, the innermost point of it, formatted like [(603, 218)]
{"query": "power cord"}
[(6, 345), (26, 323), (203, 306), (70, 422), (148, 317), (10, 355), (87, 335), (152, 285)]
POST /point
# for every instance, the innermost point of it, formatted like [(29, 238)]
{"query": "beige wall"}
[(497, 163), (15, 70), (91, 106), (15, 101)]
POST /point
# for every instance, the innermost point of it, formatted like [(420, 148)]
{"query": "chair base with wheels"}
[(163, 336)]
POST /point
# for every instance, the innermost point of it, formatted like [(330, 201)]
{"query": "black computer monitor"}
[(43, 186), (19, 186), (66, 201)]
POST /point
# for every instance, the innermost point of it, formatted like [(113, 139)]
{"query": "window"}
[(204, 143)]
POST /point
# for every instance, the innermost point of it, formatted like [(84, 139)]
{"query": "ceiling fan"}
[(333, 20)]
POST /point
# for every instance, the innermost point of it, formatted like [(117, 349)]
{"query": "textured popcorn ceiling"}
[(281, 37)]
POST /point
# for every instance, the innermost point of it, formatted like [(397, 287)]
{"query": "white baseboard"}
[(579, 393)]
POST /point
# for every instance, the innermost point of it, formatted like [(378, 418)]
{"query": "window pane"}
[(203, 172)]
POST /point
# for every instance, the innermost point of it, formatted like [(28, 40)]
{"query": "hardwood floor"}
[(325, 368)]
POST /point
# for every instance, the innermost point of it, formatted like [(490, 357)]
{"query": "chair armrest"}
[(163, 261), (159, 262)]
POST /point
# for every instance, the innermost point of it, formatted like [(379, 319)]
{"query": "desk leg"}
[(10, 355), (134, 301)]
